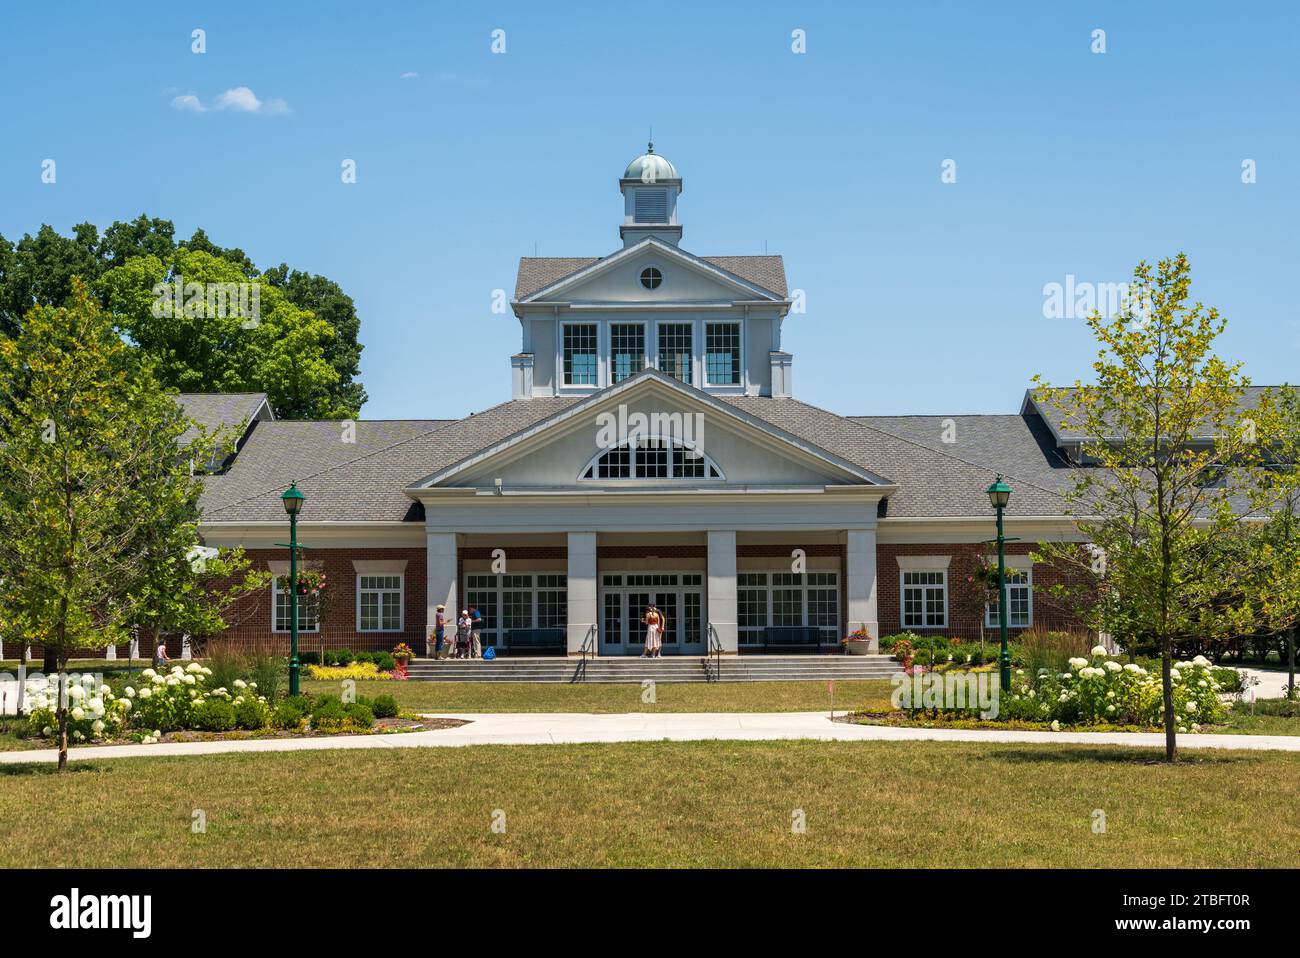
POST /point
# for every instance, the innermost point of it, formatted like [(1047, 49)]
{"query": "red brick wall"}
[(963, 617), (252, 618)]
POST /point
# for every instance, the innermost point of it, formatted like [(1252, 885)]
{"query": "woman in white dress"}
[(654, 629)]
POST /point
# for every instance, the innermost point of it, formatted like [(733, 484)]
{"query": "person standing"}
[(160, 656), (439, 630), (462, 635), (476, 632), (654, 627)]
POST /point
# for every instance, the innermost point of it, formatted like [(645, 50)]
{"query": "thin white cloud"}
[(188, 102), (410, 75), (239, 99)]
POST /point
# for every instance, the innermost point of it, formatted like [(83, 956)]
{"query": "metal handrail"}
[(588, 647), (715, 653)]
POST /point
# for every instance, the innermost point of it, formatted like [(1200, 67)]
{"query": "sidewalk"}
[(549, 728)]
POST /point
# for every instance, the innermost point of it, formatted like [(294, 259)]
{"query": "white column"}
[(186, 652), (722, 588), (582, 590), (111, 651), (860, 571), (440, 580)]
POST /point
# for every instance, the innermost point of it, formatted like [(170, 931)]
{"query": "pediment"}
[(554, 455), (616, 279)]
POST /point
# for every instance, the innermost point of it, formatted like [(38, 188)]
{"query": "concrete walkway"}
[(1270, 682), (548, 728)]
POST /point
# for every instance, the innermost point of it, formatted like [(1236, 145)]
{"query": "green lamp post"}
[(999, 496), (293, 500)]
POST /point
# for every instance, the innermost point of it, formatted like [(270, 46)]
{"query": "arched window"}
[(651, 459)]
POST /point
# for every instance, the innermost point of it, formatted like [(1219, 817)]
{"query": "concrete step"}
[(686, 668)]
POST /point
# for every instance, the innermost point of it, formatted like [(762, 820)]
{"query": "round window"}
[(651, 277)]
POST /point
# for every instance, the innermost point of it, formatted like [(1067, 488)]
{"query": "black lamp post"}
[(999, 496), (293, 500)]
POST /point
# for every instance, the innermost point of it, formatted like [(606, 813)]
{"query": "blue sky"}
[(923, 297)]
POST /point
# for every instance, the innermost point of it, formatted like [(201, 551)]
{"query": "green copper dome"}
[(650, 166)]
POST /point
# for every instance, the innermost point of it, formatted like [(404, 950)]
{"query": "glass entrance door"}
[(625, 598)]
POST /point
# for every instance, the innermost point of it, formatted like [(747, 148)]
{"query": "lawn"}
[(883, 804), (669, 697)]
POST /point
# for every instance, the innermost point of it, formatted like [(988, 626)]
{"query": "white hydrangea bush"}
[(1100, 689), (94, 712)]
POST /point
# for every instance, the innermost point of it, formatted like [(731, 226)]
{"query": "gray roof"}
[(1054, 415), (538, 272), (215, 411), (365, 481)]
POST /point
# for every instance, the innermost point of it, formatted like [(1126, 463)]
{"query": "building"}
[(652, 450)]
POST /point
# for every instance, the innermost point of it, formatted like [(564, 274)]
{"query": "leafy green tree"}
[(39, 271), (1160, 499), (96, 500), (281, 350)]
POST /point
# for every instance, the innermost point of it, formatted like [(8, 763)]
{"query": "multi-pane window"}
[(1019, 600), (722, 354), (652, 460), (789, 600), (552, 601), (523, 602), (626, 350), (379, 603), (751, 605), (580, 365), (308, 608), (675, 345), (925, 599)]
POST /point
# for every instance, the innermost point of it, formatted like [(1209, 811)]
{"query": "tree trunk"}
[(1290, 659), (1167, 683), (63, 720), (51, 664)]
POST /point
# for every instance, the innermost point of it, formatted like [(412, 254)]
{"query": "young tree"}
[(1160, 496), (96, 497)]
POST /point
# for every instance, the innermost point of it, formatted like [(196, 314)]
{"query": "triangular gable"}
[(743, 288), (653, 381)]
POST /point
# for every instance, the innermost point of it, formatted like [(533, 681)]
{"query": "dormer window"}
[(626, 350), (722, 354), (651, 278), (675, 350), (580, 365)]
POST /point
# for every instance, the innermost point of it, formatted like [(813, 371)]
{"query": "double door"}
[(624, 599)]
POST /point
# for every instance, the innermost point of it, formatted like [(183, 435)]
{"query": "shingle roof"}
[(1055, 416), (537, 272), (365, 481), (213, 411)]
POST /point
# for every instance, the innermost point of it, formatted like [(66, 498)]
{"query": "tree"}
[(201, 345), (39, 271), (96, 498), (1160, 498)]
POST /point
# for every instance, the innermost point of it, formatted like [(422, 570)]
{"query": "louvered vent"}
[(652, 206)]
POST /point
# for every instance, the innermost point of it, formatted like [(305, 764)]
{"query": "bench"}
[(534, 642), (792, 638)]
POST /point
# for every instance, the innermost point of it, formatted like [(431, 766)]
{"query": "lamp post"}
[(999, 496), (293, 500)]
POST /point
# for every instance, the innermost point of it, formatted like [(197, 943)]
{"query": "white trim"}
[(379, 566), (742, 372), (924, 563), (560, 383), (401, 598), (609, 343)]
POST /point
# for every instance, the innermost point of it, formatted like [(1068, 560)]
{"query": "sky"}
[(923, 296)]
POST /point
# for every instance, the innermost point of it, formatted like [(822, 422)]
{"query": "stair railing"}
[(715, 654), (588, 647)]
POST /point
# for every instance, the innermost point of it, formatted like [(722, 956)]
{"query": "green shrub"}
[(214, 715), (309, 658), (288, 715), (328, 714), (359, 715), (252, 714), (385, 661), (226, 665), (384, 706)]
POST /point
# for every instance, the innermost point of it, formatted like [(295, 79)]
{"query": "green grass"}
[(872, 804), (669, 697)]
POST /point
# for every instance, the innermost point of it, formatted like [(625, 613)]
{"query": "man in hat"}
[(439, 630)]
